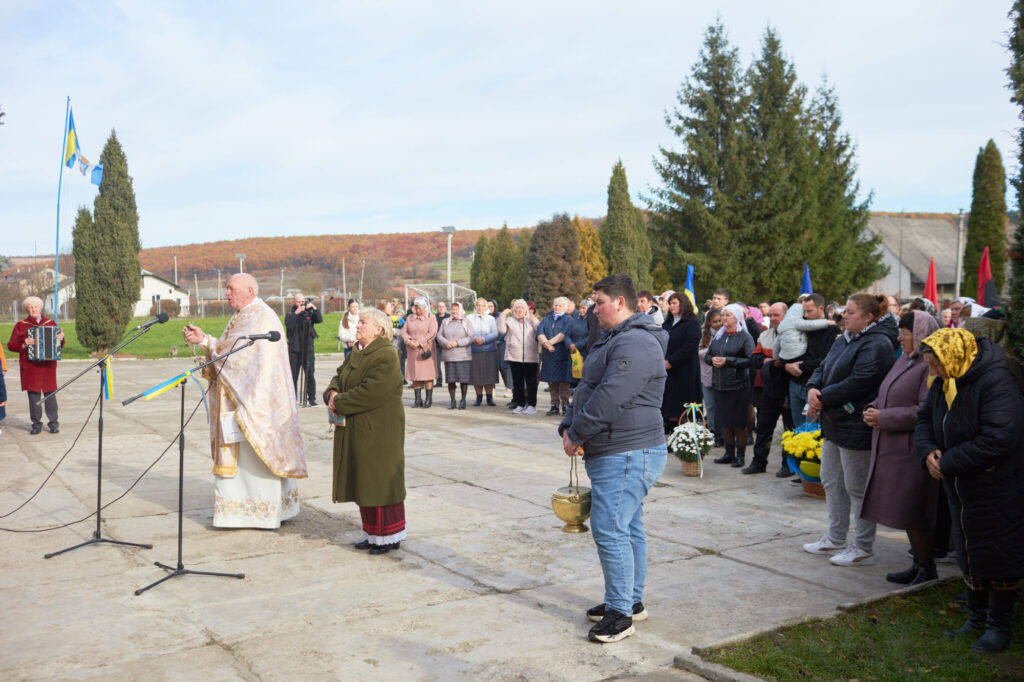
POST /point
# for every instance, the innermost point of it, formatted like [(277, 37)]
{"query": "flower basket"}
[(691, 441), (802, 446), (814, 489)]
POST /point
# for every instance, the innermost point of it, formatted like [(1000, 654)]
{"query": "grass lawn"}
[(899, 638), (157, 342)]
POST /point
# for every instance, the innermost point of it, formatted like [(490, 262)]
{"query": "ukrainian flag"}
[(73, 155), (689, 287)]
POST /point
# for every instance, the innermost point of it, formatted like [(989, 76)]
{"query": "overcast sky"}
[(261, 119)]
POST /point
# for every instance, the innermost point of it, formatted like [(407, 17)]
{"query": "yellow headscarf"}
[(955, 350)]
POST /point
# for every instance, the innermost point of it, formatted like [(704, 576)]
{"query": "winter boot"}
[(729, 457), (490, 399), (479, 399), (925, 574), (418, 401), (977, 605), (741, 454), (905, 577), (997, 626), (429, 399)]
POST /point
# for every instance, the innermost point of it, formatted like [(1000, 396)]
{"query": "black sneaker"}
[(612, 628), (597, 613), (554, 410)]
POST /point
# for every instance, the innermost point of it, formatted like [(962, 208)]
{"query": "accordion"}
[(46, 347)]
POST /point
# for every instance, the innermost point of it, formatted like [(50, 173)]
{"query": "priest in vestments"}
[(254, 427)]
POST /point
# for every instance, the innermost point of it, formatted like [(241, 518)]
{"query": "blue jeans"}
[(619, 483), (797, 400), (709, 408)]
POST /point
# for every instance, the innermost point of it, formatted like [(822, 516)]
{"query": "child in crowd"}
[(791, 336)]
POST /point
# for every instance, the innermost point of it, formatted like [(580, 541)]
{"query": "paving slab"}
[(485, 587)]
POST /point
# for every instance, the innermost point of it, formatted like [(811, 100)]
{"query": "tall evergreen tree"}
[(553, 266), (1016, 74), (624, 233), (595, 265), (503, 256), (987, 224), (842, 248), (480, 270), (514, 277), (106, 250), (696, 215)]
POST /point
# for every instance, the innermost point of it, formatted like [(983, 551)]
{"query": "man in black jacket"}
[(775, 390), (818, 345), (298, 324)]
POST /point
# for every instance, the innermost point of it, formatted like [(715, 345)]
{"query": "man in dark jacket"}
[(298, 324), (818, 345), (615, 422), (775, 383)]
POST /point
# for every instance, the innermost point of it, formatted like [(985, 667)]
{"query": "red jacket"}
[(35, 376)]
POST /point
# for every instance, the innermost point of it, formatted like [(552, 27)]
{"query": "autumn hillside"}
[(404, 253)]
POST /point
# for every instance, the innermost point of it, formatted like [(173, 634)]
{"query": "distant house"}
[(155, 289), (65, 293), (909, 241)]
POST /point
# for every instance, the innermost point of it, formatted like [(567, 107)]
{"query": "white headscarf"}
[(968, 302), (740, 313)]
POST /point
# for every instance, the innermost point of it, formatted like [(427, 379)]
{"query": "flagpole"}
[(60, 180)]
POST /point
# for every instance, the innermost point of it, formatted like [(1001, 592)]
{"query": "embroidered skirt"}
[(254, 497), (383, 525)]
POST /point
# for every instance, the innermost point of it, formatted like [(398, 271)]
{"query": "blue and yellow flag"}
[(108, 381), (73, 155), (689, 287)]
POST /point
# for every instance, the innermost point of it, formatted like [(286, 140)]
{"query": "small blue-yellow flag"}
[(73, 155)]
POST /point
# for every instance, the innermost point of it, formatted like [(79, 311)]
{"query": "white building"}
[(155, 289)]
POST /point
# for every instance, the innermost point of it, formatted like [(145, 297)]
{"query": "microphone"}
[(269, 336), (159, 319)]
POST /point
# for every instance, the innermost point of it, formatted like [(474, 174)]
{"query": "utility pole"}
[(175, 269), (218, 284), (450, 231), (344, 284), (282, 291), (362, 269), (195, 279), (959, 253)]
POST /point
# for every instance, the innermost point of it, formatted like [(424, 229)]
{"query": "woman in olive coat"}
[(369, 454)]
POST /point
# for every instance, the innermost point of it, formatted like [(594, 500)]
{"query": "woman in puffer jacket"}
[(970, 435), (729, 356), (522, 352)]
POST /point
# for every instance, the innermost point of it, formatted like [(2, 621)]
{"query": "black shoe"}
[(363, 544), (783, 472), (452, 405), (384, 549), (418, 400), (597, 613), (613, 627), (479, 400), (53, 428), (739, 461), (554, 410), (977, 605), (462, 404), (490, 399), (925, 574), (755, 468), (904, 577), (564, 408), (512, 405), (729, 457), (796, 480), (36, 428), (312, 403), (997, 626), (429, 400)]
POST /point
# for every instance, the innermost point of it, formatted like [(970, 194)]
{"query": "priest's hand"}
[(193, 334)]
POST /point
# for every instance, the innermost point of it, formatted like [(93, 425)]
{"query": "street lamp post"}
[(959, 253), (241, 261), (449, 230)]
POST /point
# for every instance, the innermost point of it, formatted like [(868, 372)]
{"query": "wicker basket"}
[(814, 489), (691, 468)]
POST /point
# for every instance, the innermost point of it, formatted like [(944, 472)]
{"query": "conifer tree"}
[(480, 270), (514, 278), (660, 281), (106, 250), (1016, 74), (624, 233), (502, 257), (987, 224), (553, 266), (595, 265), (696, 215)]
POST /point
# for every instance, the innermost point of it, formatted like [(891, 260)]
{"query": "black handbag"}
[(425, 354)]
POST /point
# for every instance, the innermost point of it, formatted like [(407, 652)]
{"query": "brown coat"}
[(369, 450), (899, 492)]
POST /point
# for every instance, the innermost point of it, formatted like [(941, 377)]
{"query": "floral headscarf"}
[(956, 350)]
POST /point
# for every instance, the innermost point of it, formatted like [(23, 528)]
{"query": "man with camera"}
[(299, 327)]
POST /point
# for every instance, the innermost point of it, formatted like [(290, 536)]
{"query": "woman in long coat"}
[(37, 378), (970, 435), (555, 363), (682, 383), (484, 368), (454, 338), (419, 332), (369, 449), (899, 493)]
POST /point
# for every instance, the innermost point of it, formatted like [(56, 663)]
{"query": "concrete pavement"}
[(486, 586)]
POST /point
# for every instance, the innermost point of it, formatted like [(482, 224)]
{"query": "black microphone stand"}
[(180, 569), (97, 536)]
